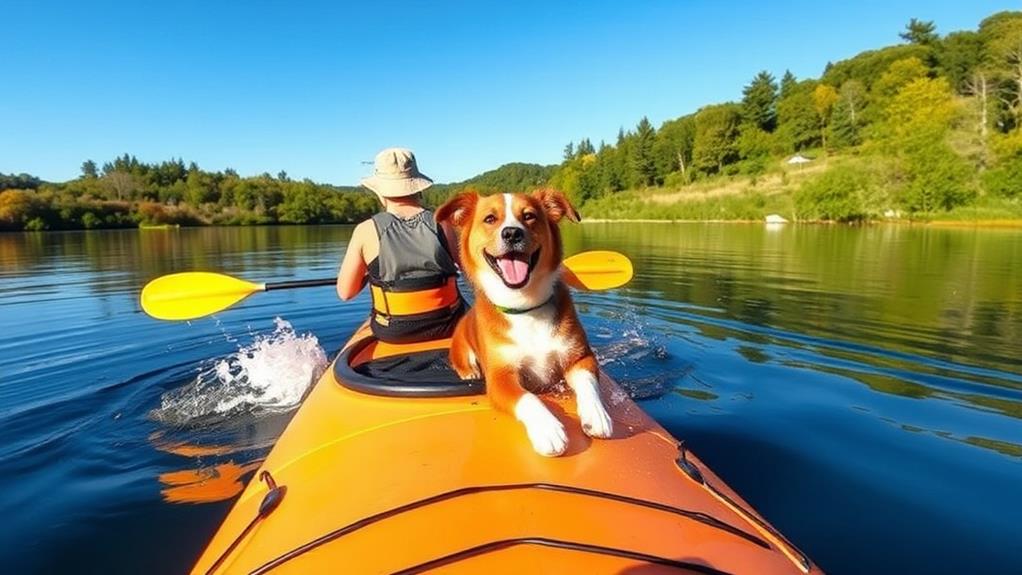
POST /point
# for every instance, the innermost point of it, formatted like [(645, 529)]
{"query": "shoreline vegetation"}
[(926, 131), (931, 223)]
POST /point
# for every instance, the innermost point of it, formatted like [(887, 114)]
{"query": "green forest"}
[(926, 129), (930, 128)]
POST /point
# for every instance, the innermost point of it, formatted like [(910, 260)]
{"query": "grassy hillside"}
[(779, 191), (927, 129)]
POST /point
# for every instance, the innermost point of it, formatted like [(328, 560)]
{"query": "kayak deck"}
[(382, 485)]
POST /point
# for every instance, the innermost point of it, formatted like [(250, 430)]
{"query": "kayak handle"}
[(273, 497), (271, 500), (687, 466)]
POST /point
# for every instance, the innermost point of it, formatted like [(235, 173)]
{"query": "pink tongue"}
[(514, 271)]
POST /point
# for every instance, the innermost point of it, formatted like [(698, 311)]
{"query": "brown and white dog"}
[(522, 334)]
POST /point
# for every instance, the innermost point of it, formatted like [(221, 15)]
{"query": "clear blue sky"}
[(314, 88)]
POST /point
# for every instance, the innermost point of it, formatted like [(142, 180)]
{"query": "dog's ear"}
[(458, 210), (556, 205)]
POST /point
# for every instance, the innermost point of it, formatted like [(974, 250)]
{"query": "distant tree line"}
[(127, 192)]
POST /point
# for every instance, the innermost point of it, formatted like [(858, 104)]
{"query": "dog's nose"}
[(512, 235)]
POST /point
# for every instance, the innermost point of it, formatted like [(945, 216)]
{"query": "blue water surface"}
[(861, 387)]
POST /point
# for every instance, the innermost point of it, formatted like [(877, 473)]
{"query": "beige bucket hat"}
[(396, 174)]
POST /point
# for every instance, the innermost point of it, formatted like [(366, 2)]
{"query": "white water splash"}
[(269, 374), (632, 350), (632, 345)]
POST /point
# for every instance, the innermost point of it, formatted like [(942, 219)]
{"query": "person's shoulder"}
[(363, 230)]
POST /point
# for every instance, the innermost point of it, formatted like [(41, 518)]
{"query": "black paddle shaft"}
[(301, 284)]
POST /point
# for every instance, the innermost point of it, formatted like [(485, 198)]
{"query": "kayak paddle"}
[(191, 295), (597, 270)]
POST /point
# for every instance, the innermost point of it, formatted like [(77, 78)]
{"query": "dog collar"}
[(516, 311)]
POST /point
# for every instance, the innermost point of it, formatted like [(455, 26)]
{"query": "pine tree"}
[(759, 104), (89, 170), (920, 32), (788, 83), (642, 166), (569, 152), (610, 176), (585, 147), (616, 174)]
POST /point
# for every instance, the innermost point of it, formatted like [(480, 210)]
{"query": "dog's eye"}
[(528, 217), (490, 219)]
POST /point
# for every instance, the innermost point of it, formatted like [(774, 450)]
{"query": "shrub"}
[(937, 180), (91, 221), (1006, 179), (676, 180), (837, 195), (152, 213), (36, 225)]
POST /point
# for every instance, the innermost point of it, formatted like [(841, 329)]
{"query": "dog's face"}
[(509, 244)]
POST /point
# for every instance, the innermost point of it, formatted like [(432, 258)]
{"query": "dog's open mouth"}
[(514, 268)]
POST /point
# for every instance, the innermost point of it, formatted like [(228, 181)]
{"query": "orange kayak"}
[(383, 475)]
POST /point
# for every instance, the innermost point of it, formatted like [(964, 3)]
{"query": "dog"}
[(522, 335)]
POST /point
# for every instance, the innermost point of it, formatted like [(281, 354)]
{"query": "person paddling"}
[(405, 256)]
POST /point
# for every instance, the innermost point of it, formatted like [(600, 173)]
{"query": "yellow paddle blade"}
[(191, 295), (597, 270)]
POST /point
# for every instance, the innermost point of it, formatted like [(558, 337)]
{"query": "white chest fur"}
[(535, 343)]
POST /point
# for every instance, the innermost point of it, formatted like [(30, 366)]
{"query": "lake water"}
[(860, 386)]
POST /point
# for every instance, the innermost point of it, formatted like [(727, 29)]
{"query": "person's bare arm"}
[(352, 274)]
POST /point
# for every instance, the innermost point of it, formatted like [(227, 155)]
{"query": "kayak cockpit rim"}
[(350, 371)]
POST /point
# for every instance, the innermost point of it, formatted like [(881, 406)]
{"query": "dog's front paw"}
[(468, 368), (545, 431), (596, 421), (467, 373), (548, 437)]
